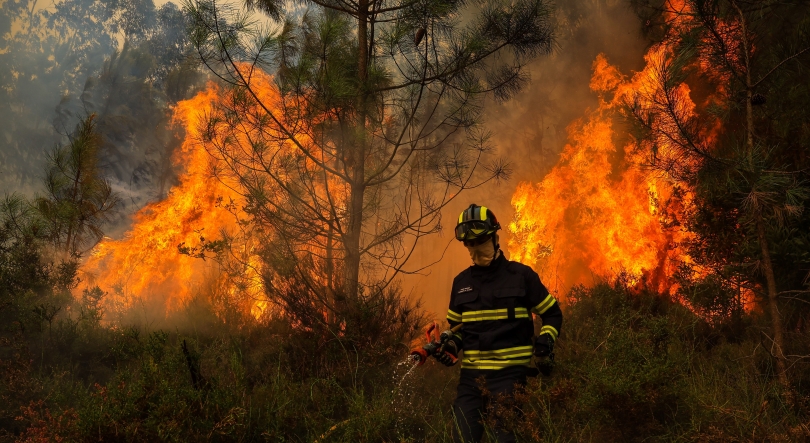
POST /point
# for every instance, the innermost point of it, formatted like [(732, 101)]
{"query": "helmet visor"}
[(471, 229)]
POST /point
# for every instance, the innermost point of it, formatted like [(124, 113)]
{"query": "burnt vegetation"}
[(338, 216)]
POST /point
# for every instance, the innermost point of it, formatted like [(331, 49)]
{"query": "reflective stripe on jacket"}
[(495, 304)]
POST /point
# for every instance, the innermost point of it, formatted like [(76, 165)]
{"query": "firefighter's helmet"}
[(476, 221)]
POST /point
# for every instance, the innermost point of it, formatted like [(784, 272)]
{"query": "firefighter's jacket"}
[(495, 304)]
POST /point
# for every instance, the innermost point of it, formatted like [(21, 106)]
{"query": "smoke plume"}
[(122, 60), (529, 131)]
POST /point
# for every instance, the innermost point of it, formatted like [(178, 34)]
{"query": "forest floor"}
[(630, 366)]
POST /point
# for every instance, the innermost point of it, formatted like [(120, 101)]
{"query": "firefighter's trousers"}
[(472, 404)]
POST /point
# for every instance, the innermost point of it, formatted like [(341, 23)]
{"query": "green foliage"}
[(78, 199), (624, 366), (631, 366), (119, 383), (638, 367), (742, 152)]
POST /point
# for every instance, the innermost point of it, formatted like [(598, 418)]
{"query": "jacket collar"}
[(493, 267)]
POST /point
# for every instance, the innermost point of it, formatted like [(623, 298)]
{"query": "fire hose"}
[(435, 344)]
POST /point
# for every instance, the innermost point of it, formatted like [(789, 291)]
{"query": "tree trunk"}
[(73, 196), (749, 92), (773, 305), (330, 284), (767, 264), (357, 186)]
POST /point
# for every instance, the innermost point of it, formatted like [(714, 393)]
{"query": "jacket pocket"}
[(513, 292), (467, 297), (513, 297)]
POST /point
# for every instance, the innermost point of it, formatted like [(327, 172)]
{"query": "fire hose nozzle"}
[(434, 344), (419, 356), (445, 335)]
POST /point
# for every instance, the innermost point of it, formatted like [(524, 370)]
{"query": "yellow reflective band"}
[(473, 355), (453, 316), (544, 305), (494, 364), (458, 336), (461, 216), (550, 331), (486, 311), (493, 314), (483, 212)]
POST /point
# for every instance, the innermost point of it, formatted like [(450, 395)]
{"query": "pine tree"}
[(78, 199), (377, 124), (744, 152)]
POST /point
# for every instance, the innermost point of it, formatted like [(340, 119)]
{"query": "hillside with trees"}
[(208, 210)]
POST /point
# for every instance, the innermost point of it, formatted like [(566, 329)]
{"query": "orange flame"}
[(597, 213), (145, 265), (221, 158)]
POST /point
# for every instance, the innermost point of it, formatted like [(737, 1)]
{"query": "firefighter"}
[(494, 300)]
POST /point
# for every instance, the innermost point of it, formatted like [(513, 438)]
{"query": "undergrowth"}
[(631, 366)]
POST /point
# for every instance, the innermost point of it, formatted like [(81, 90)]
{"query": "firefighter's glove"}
[(544, 353), (448, 353), (543, 346)]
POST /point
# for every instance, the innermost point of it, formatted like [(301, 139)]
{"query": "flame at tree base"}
[(145, 267), (598, 214)]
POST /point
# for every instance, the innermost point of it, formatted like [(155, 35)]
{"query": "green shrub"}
[(631, 366), (634, 366)]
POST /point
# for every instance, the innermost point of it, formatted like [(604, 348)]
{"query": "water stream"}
[(402, 395)]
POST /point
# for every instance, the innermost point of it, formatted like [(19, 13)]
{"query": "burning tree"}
[(742, 149), (369, 128)]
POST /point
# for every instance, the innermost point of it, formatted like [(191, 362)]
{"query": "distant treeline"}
[(125, 61)]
